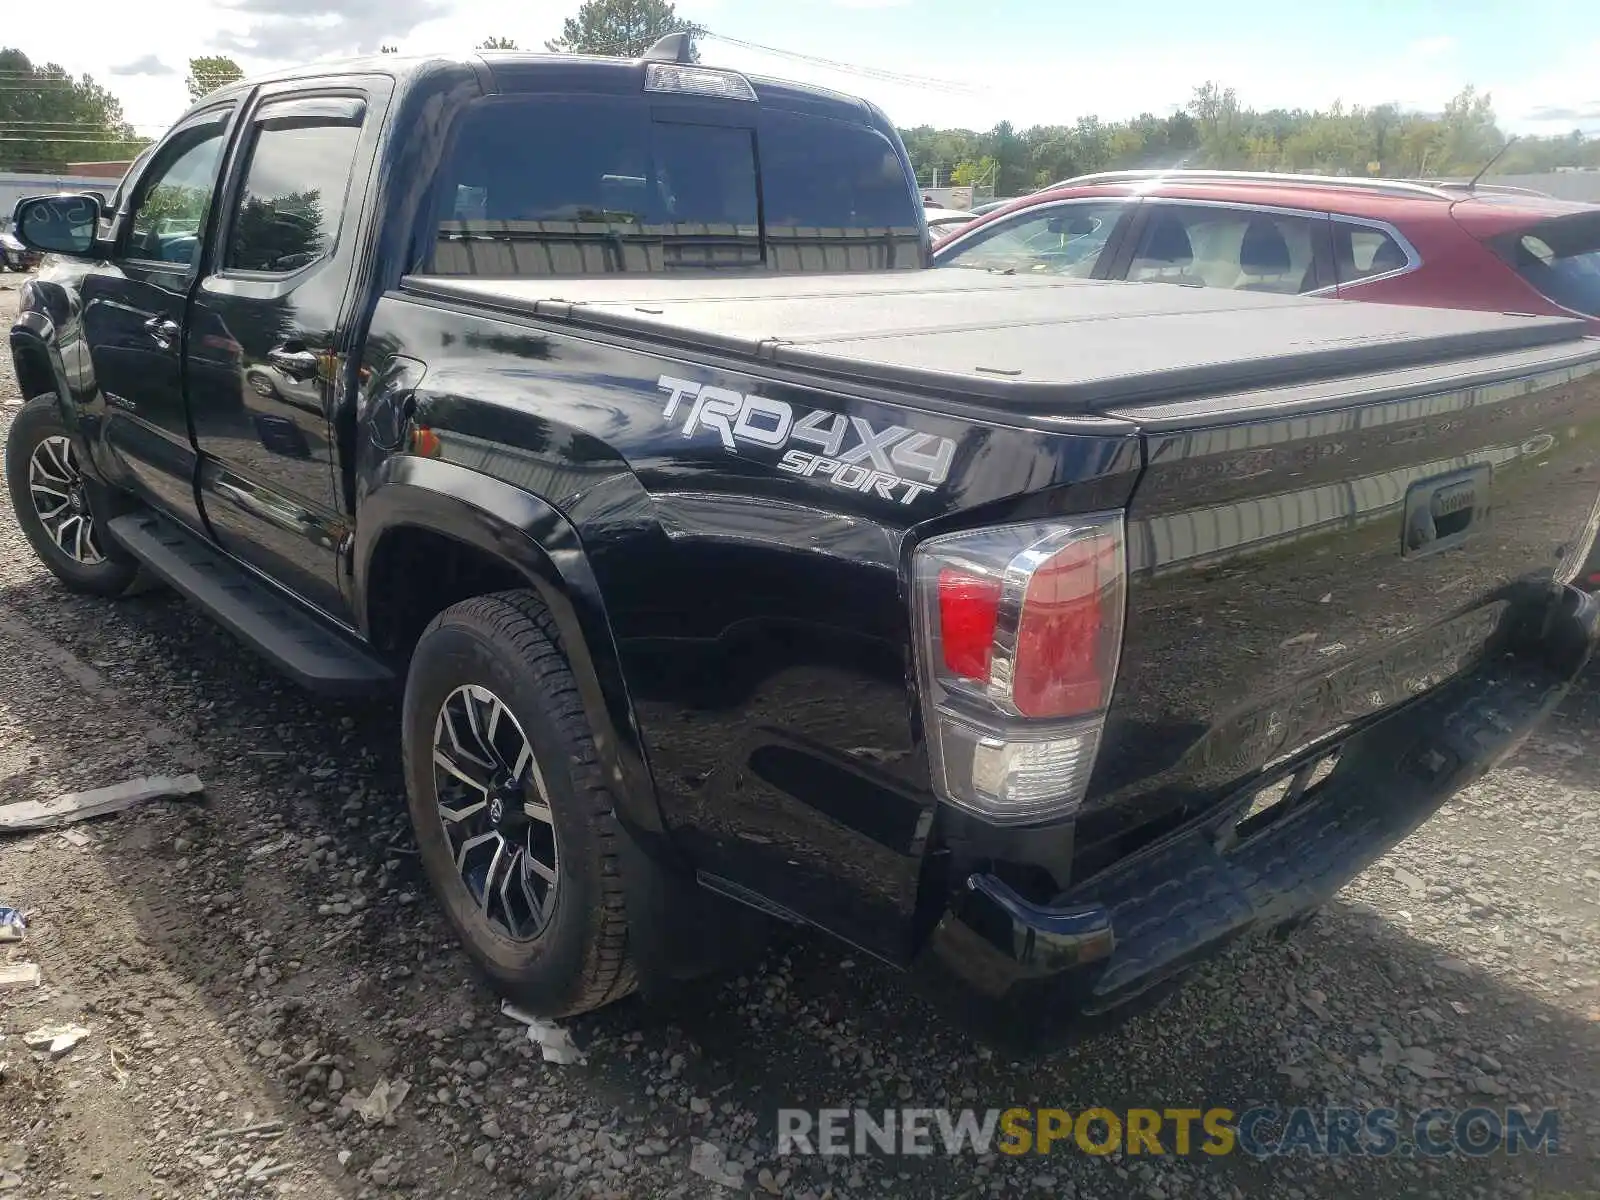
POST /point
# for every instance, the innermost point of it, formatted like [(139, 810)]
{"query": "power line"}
[(71, 126), (13, 72), (77, 141), (922, 81)]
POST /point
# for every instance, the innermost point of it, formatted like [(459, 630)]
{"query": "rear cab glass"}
[(1560, 258), (546, 185)]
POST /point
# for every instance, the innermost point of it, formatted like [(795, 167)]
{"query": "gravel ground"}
[(251, 965)]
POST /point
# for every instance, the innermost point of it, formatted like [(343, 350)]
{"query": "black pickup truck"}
[(1035, 636)]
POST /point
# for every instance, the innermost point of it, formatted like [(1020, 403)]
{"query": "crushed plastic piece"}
[(707, 1161), (55, 1040), (554, 1042), (380, 1104)]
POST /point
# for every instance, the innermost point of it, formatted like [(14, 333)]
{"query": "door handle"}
[(1443, 512), (162, 331)]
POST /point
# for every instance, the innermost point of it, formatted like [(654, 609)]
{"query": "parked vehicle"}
[(943, 221), (971, 619), (1441, 244), (14, 256), (1387, 241), (989, 206)]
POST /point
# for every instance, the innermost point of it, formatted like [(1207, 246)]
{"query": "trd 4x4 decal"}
[(894, 462)]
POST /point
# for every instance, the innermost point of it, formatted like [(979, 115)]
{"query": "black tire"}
[(113, 570), (506, 643)]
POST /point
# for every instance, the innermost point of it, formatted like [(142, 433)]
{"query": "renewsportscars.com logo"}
[(1261, 1132), (894, 463)]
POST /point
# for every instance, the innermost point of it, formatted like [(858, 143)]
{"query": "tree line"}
[(1214, 130), (47, 119)]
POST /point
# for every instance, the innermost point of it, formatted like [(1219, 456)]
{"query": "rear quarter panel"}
[(759, 615), (1457, 271)]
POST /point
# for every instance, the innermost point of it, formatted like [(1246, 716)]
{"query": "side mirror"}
[(63, 224)]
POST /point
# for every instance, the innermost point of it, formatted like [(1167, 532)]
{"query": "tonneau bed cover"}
[(1060, 345)]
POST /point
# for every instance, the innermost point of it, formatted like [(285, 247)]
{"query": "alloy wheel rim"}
[(495, 811), (61, 500)]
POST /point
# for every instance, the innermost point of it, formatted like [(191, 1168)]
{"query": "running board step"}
[(302, 647)]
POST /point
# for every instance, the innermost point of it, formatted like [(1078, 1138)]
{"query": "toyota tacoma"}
[(1035, 636)]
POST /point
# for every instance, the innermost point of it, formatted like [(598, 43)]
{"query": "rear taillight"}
[(969, 606), (1019, 627)]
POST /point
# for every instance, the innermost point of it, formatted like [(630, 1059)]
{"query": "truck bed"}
[(1063, 346)]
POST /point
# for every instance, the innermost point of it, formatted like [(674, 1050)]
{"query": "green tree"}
[(1216, 111), (1010, 153), (209, 72), (968, 173), (1470, 135), (1216, 131), (937, 152), (620, 28), (497, 43), (48, 118)]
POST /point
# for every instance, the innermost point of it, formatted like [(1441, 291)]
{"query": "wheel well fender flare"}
[(38, 361), (526, 534)]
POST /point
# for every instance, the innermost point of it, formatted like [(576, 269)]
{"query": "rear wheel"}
[(511, 814), (51, 500)]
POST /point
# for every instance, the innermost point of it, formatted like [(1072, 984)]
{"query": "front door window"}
[(168, 221), (1063, 239)]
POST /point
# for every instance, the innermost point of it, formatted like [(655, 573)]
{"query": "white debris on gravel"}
[(554, 1041), (707, 1161), (19, 975), (380, 1105), (55, 1040), (26, 815)]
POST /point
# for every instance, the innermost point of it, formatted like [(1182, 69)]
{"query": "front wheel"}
[(511, 813), (51, 500)]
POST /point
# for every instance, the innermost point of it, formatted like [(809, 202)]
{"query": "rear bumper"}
[(1025, 973)]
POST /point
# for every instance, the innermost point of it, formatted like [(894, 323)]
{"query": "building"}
[(14, 186)]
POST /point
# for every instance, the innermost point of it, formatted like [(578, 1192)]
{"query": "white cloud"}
[(1049, 85), (311, 29), (149, 64), (1434, 47), (1559, 96)]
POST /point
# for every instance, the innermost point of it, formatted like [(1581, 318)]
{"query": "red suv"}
[(1391, 241)]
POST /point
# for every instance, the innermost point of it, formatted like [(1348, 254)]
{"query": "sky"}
[(1026, 61)]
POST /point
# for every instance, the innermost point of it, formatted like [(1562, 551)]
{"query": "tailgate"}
[(1304, 558)]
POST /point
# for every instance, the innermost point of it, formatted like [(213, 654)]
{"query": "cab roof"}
[(512, 71)]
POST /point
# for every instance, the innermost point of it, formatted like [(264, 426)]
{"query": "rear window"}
[(1363, 252), (541, 186), (1562, 260)]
